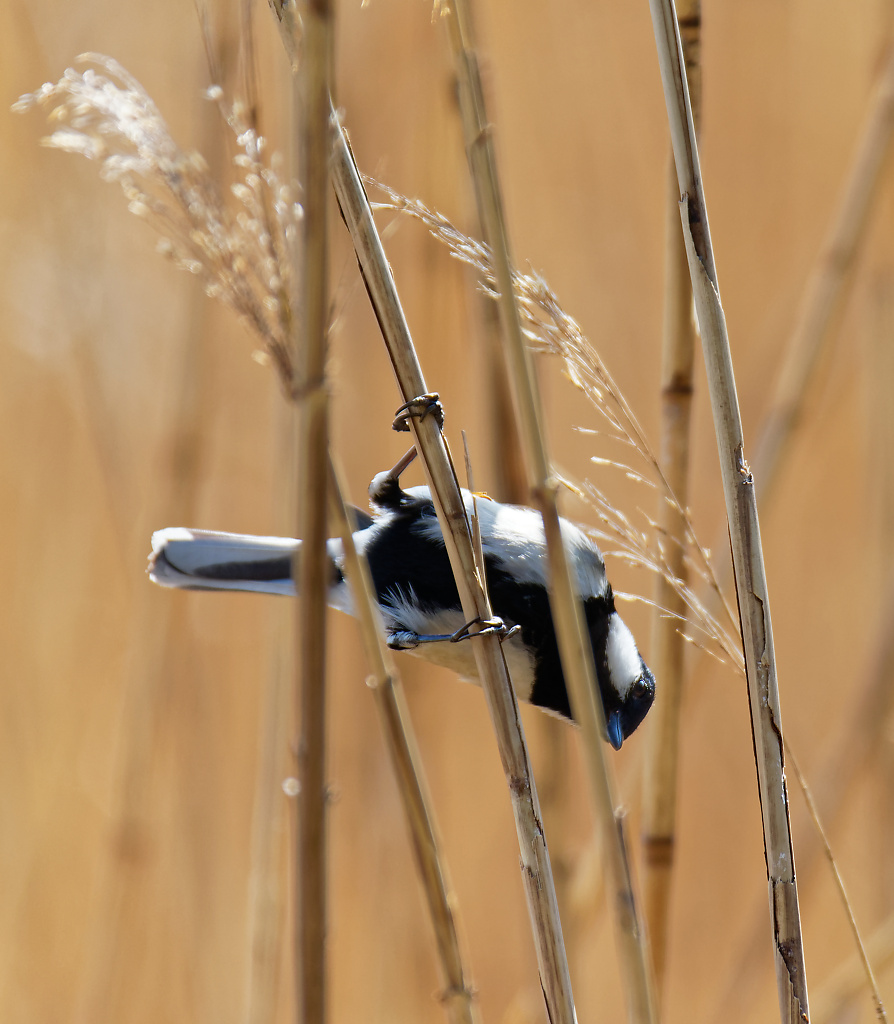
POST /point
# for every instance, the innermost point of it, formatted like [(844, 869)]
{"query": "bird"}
[(419, 601)]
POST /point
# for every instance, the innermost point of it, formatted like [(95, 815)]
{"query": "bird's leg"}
[(406, 640)]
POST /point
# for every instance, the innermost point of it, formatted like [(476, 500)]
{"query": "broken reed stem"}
[(458, 996), (312, 571), (440, 473), (671, 612), (565, 604), (741, 507), (827, 288)]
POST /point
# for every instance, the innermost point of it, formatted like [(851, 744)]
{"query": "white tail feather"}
[(205, 560)]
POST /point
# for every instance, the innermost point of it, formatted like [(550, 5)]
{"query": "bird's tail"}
[(204, 560)]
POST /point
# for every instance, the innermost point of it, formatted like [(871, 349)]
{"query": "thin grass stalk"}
[(268, 864), (440, 473), (121, 907), (828, 286), (312, 569), (270, 813), (458, 995), (565, 605), (271, 817), (741, 506), (881, 372), (842, 891), (825, 294), (848, 980), (670, 613), (852, 753)]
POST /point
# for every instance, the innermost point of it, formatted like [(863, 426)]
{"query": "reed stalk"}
[(670, 613), (741, 506), (458, 995), (271, 819), (828, 285), (311, 90), (441, 476), (565, 605)]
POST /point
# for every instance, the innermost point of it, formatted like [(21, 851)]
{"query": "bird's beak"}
[(613, 727)]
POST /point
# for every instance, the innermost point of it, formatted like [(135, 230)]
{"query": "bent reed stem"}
[(565, 604)]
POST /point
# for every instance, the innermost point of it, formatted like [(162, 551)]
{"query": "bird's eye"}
[(640, 688)]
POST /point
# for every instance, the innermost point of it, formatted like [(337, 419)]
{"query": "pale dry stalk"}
[(670, 613), (309, 391), (741, 507), (827, 288), (565, 605), (458, 996), (441, 477)]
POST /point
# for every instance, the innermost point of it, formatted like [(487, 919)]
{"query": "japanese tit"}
[(418, 598)]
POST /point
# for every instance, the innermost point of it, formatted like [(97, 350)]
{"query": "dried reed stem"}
[(741, 506), (565, 605), (458, 996), (312, 568), (827, 287), (441, 476), (670, 613)]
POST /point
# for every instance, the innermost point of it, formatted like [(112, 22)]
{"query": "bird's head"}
[(625, 681)]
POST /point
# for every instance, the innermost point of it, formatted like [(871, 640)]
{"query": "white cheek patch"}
[(622, 656)]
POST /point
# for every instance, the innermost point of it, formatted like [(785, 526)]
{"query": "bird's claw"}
[(419, 407)]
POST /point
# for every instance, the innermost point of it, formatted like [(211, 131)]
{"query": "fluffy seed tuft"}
[(105, 115)]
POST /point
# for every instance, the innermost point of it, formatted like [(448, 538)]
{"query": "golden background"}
[(132, 720)]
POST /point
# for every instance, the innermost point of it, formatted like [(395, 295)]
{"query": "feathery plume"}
[(238, 247)]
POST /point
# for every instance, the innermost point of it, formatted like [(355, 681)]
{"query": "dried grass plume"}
[(239, 246)]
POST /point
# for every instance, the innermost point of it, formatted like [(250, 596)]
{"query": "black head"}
[(626, 685), (624, 714)]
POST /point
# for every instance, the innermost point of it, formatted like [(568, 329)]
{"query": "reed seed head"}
[(239, 246)]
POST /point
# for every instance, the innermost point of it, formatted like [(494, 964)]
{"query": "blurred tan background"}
[(132, 720)]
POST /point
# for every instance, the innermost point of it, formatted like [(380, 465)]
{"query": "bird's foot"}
[(419, 407), (407, 640)]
